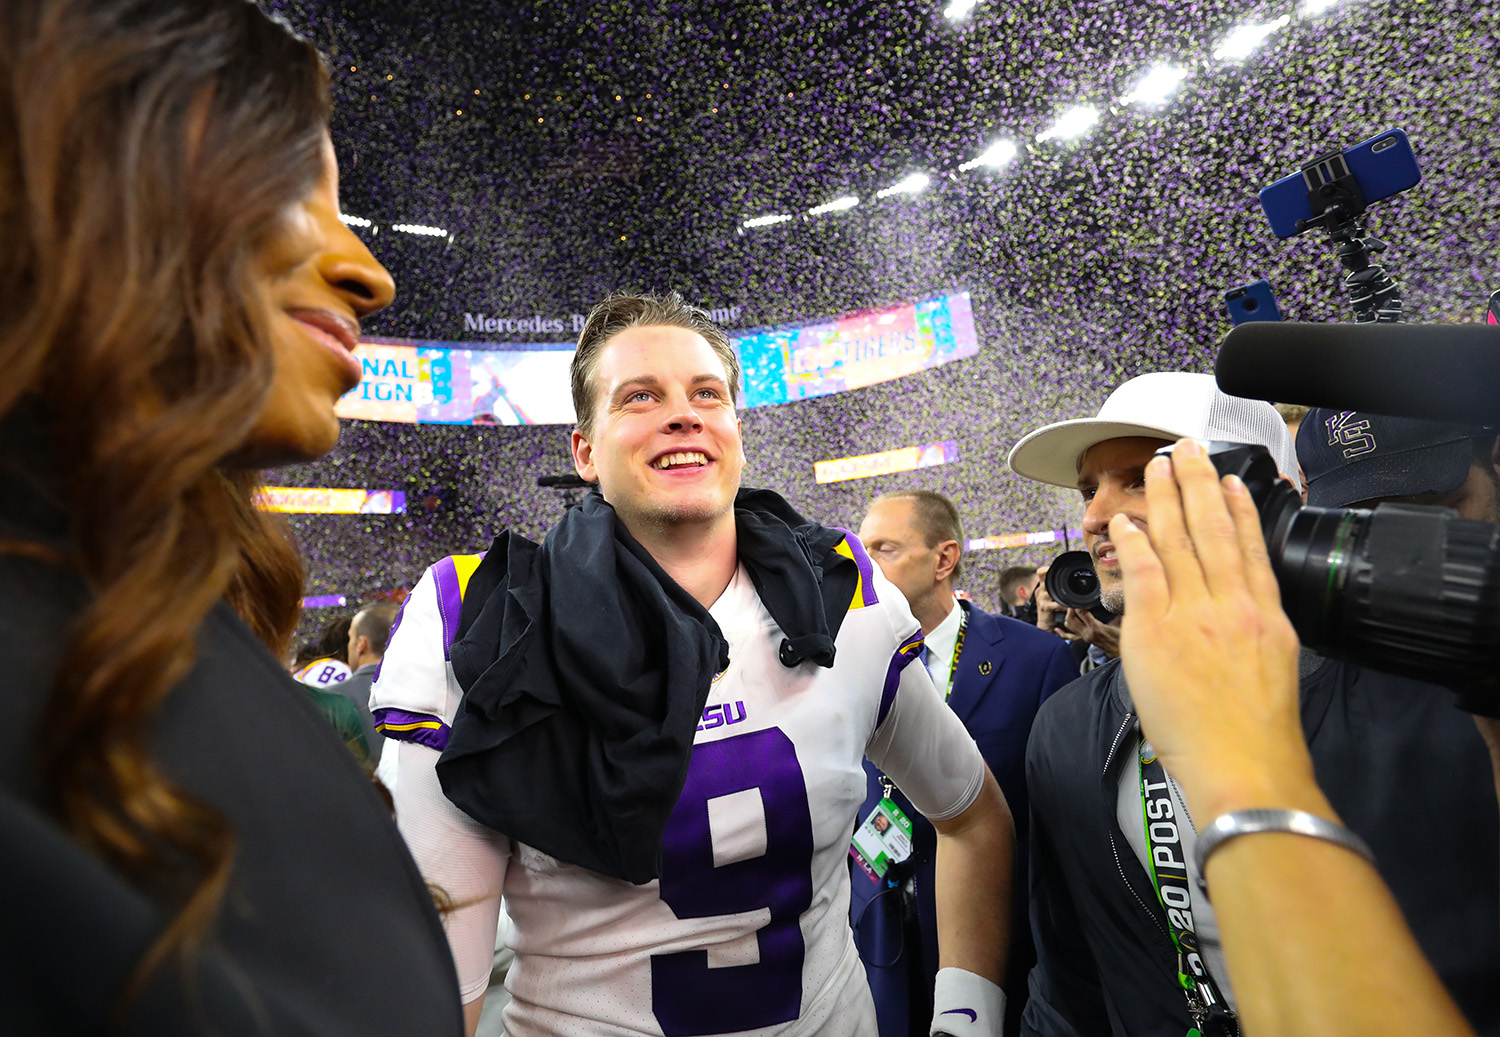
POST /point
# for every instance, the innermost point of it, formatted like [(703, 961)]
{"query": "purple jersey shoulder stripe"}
[(451, 575), (910, 649), (851, 547), (450, 598), (422, 728)]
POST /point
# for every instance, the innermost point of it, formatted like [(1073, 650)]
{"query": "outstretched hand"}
[(1210, 657)]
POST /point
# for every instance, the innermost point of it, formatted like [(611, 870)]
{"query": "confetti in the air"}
[(633, 145)]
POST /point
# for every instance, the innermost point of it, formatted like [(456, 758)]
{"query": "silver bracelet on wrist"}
[(1248, 822)]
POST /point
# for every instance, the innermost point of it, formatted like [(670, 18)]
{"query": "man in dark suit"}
[(995, 672), (368, 635)]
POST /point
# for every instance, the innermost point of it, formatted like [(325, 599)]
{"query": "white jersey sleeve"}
[(414, 700), (918, 740)]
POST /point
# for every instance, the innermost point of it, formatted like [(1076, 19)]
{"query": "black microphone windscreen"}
[(1439, 372)]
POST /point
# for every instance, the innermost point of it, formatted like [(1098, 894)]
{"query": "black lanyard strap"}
[(1168, 868)]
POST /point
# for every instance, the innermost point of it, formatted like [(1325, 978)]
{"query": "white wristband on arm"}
[(967, 1005)]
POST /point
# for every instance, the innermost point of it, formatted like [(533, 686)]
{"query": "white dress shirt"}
[(940, 644)]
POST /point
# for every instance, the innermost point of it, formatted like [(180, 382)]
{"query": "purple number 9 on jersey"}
[(689, 998)]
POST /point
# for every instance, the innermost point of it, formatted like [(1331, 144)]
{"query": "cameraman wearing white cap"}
[(1143, 414), (1127, 942)]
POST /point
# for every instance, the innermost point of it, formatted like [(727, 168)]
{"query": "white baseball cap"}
[(1165, 405)]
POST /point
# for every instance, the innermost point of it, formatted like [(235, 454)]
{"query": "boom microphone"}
[(1437, 372)]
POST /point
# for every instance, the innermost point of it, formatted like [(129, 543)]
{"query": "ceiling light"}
[(906, 185), (354, 221), (766, 221), (848, 201), (959, 9), (417, 228), (1312, 7), (1238, 45), (1156, 85), (1074, 122), (995, 156)]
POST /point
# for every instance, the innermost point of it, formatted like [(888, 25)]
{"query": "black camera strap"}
[(1212, 1016)]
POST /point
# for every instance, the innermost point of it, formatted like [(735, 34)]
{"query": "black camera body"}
[(1073, 583), (1402, 588)]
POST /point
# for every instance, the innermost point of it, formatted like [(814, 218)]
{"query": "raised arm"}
[(1314, 942)]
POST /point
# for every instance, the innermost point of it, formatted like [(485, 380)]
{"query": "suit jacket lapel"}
[(982, 641)]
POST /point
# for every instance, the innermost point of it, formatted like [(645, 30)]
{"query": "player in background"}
[(323, 663), (647, 733)]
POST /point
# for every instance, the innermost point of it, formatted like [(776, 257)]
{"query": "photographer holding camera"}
[(1082, 626), (1127, 942)]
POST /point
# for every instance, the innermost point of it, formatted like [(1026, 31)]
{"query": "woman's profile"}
[(187, 848)]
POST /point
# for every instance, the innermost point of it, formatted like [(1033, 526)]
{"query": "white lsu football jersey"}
[(746, 931), (322, 673)]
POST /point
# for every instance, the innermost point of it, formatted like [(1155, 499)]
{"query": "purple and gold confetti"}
[(556, 152)]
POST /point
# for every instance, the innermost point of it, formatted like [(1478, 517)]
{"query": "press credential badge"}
[(884, 839)]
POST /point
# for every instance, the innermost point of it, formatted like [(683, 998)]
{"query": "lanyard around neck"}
[(1167, 864), (958, 647)]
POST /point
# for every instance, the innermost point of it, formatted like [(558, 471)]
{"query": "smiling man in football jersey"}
[(647, 732)]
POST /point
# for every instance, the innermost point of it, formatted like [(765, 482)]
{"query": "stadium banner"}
[(887, 462), (480, 383), (820, 358), (1006, 540), (322, 500)]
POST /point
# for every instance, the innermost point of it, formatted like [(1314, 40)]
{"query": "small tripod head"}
[(1335, 195)]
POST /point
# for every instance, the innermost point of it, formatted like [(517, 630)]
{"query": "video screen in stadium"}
[(476, 383), (850, 352)]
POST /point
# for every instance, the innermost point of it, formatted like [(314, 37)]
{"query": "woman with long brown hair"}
[(179, 302)]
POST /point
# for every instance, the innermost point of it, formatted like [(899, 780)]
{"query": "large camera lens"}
[(1072, 582), (1406, 589)]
